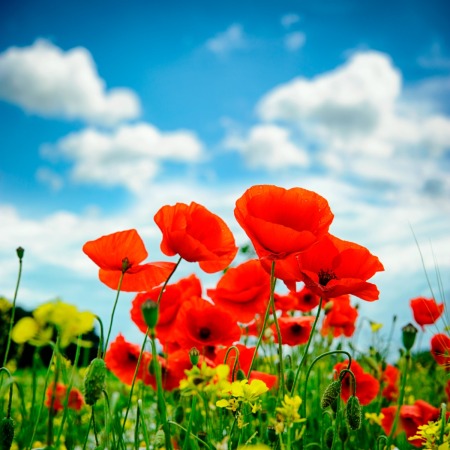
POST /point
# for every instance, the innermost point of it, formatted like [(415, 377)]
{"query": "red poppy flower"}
[(123, 252), (390, 378), (268, 378), (340, 317), (285, 303), (122, 357), (171, 300), (75, 400), (411, 417), (201, 324), (197, 235), (334, 267), (440, 349), (426, 311), (280, 222), (244, 360), (307, 300), (243, 291), (294, 330), (367, 386)]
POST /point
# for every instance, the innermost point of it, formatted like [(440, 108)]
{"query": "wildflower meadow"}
[(267, 359)]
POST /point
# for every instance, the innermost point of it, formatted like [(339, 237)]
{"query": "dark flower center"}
[(296, 328), (204, 333), (325, 276), (132, 358), (307, 298)]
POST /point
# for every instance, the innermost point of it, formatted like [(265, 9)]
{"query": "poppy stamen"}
[(204, 333), (325, 276)]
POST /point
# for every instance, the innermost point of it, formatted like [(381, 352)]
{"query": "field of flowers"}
[(268, 359)]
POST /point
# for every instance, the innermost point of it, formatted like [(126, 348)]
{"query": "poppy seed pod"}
[(150, 311), (353, 413), (330, 394), (409, 336), (94, 381), (6, 433)]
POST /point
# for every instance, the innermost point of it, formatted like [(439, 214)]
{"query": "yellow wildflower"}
[(243, 392), (374, 418), (289, 409), (430, 434), (205, 379), (374, 326)]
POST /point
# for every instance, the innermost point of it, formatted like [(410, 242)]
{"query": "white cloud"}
[(294, 41), (269, 147), (130, 156), (46, 80), (53, 180), (289, 19), (233, 38)]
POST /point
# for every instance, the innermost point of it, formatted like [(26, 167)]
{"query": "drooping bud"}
[(179, 414), (331, 394), (240, 375), (194, 356), (409, 336), (94, 381), (290, 377), (6, 433), (150, 312), (20, 251), (329, 437), (353, 413)]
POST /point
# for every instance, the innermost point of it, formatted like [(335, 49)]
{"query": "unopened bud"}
[(150, 313), (290, 377), (20, 251), (194, 356), (179, 414), (94, 381), (353, 413), (240, 375), (330, 394), (409, 336), (6, 433), (329, 437)]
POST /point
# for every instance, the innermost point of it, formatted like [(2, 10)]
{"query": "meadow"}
[(268, 359)]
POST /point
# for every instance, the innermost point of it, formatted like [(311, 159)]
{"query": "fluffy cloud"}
[(46, 80), (295, 40), (357, 122), (232, 38), (269, 147), (129, 156), (289, 19)]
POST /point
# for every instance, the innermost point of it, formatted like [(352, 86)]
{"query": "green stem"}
[(187, 439), (11, 383), (160, 392), (297, 374), (136, 370), (171, 422), (100, 351), (13, 312), (261, 334), (51, 409), (119, 287), (400, 398)]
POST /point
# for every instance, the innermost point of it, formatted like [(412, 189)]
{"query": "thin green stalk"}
[(191, 419), (400, 398), (160, 392), (51, 409), (13, 310), (11, 383), (102, 337), (119, 287), (297, 374), (266, 317), (143, 346), (144, 428), (171, 422)]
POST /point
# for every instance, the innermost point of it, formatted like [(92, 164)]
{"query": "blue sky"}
[(110, 111)]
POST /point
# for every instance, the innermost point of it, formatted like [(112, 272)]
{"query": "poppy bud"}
[(240, 375), (328, 307), (330, 394), (20, 251), (290, 377), (353, 413), (150, 313), (6, 433), (409, 336), (179, 414), (94, 381), (343, 432), (329, 437), (194, 356)]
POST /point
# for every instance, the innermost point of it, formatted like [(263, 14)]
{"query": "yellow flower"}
[(24, 330), (375, 326), (430, 434), (289, 409), (374, 418), (205, 379)]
